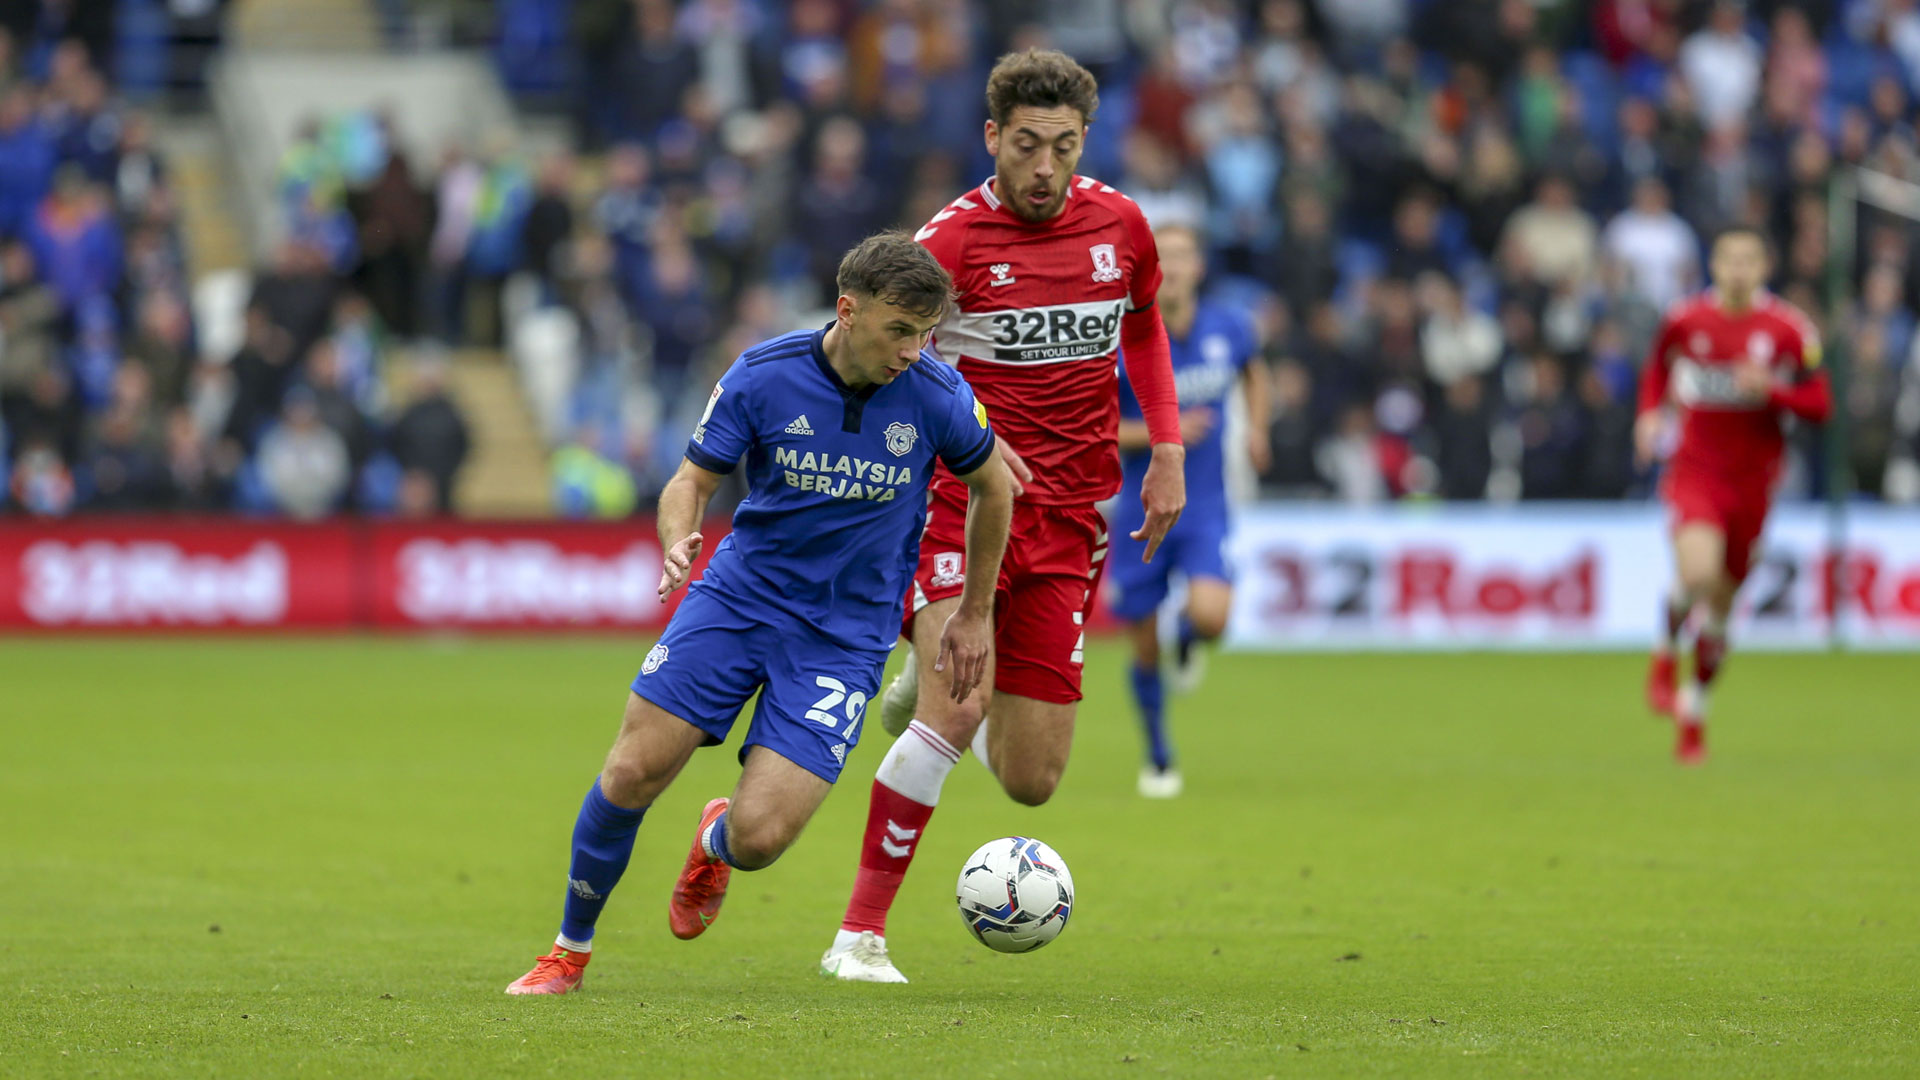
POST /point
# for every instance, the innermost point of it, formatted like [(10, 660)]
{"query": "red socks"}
[(905, 791), (894, 824), (1709, 652)]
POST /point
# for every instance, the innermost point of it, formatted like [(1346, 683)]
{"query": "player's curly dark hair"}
[(892, 267), (1040, 79)]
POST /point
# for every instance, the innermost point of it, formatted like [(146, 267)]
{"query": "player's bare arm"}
[(1148, 357), (1253, 385), (1646, 436), (1194, 426), (683, 502), (1018, 473), (1651, 423), (968, 635), (1163, 493)]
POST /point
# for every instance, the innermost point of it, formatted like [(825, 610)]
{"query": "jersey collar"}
[(1762, 297), (853, 402)]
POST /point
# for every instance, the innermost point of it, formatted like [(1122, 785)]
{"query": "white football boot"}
[(862, 959), (1189, 670), (1160, 784), (902, 699)]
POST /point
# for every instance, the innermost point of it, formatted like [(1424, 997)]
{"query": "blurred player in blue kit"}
[(1215, 348), (800, 604)]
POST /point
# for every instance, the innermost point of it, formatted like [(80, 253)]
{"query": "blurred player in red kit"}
[(1054, 274), (1733, 362)]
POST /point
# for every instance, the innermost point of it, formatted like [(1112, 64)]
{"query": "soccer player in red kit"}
[(1733, 362), (1054, 273)]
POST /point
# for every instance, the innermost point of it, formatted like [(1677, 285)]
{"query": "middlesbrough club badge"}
[(1106, 265), (949, 568)]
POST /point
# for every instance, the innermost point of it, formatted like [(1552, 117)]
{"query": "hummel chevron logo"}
[(800, 426), (905, 836)]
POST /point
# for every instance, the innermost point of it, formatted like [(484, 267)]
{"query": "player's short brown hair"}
[(890, 266), (1040, 79), (1191, 231), (1754, 231)]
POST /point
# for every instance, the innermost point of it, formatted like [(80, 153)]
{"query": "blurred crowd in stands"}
[(1458, 222), (109, 397), (96, 341)]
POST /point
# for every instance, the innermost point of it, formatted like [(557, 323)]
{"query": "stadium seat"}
[(546, 353), (220, 312)]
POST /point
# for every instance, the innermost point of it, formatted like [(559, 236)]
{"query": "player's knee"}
[(630, 778), (1700, 581), (1031, 787), (1208, 624), (756, 843), (624, 781), (954, 721)]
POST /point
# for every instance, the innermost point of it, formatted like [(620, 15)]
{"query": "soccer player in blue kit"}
[(840, 429), (1214, 347)]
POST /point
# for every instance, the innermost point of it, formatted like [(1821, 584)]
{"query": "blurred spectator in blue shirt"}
[(837, 206), (1243, 172), (625, 213), (654, 67), (76, 240), (27, 159)]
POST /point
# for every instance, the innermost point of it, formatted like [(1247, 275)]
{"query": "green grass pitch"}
[(326, 858)]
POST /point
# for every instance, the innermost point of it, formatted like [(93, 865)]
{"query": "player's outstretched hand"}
[(964, 644), (1022, 476), (679, 564), (1646, 438), (1163, 492), (1753, 380)]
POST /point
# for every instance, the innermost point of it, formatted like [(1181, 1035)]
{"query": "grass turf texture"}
[(257, 858)]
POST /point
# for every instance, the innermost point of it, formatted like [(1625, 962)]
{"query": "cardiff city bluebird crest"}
[(900, 438)]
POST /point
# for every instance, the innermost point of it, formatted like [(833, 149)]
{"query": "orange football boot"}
[(703, 883), (558, 972)]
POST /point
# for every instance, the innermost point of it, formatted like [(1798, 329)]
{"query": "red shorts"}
[(1048, 581), (1739, 515)]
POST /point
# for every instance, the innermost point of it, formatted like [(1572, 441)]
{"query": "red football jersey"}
[(1036, 329), (1724, 435)]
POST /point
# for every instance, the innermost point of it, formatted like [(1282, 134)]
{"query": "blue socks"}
[(602, 844), (1147, 694), (714, 841), (1185, 640)]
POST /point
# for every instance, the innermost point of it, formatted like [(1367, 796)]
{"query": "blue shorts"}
[(813, 692), (1195, 548)]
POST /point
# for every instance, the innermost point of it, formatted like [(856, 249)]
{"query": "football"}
[(1015, 894)]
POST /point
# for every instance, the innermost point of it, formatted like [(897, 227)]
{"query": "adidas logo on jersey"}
[(800, 426)]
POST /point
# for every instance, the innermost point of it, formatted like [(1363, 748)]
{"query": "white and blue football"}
[(1015, 894)]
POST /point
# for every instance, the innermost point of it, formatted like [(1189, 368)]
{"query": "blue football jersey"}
[(837, 478), (1206, 364)]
